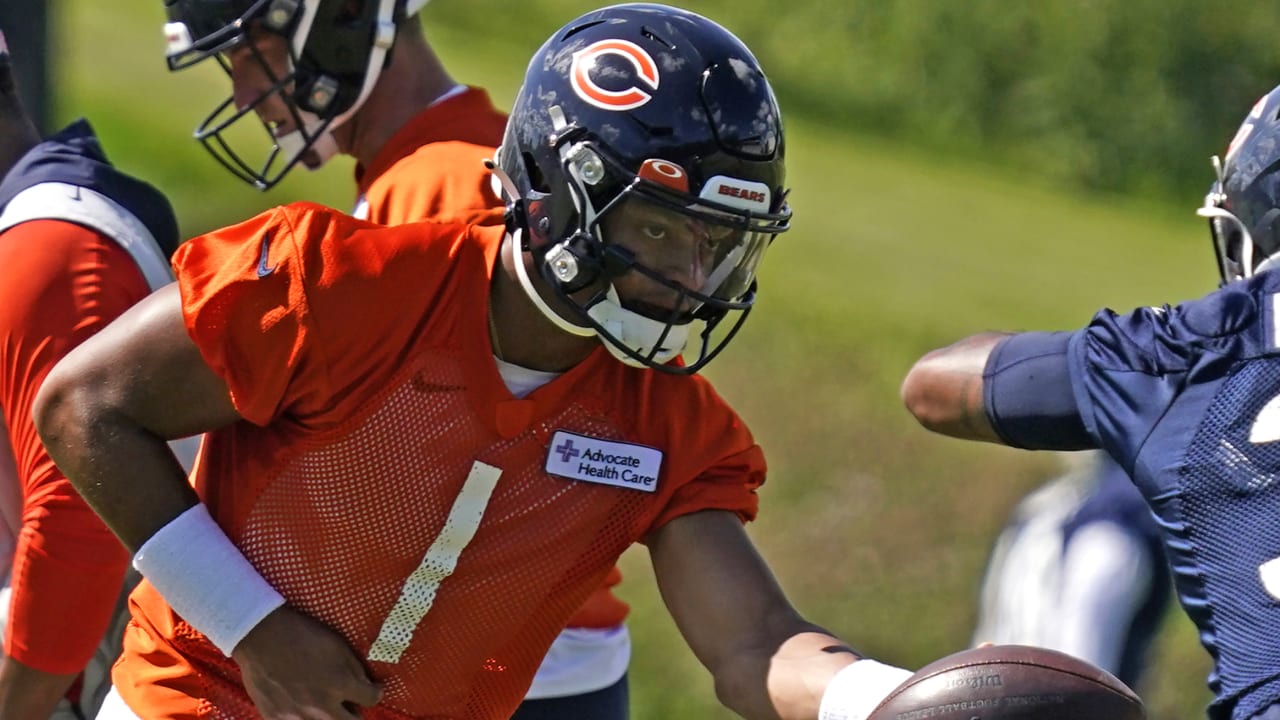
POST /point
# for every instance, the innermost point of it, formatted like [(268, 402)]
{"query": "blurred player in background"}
[(1080, 568), (80, 242), (1186, 399), (420, 140)]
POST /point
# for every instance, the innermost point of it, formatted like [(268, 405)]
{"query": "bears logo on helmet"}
[(587, 60)]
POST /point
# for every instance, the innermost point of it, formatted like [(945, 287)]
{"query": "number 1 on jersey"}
[(441, 559)]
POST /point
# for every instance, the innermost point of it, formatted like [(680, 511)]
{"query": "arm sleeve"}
[(1028, 393), (62, 283), (731, 485)]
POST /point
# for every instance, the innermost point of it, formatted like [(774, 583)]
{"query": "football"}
[(1010, 682)]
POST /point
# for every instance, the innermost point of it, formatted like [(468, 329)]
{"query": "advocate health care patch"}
[(607, 462)]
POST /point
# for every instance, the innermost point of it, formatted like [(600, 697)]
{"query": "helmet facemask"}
[(227, 128), (331, 64), (1243, 204)]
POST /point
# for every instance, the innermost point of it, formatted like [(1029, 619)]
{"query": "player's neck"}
[(414, 79), (526, 336)]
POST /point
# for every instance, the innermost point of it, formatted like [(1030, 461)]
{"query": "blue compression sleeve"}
[(1027, 393)]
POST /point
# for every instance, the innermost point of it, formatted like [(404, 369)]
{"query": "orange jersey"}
[(62, 283), (433, 169), (387, 483)]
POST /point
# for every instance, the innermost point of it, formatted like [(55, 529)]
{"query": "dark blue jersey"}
[(75, 157), (1184, 399)]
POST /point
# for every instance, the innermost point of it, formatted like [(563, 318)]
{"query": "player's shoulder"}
[(315, 219), (1227, 310), (438, 163), (1169, 338), (311, 225), (689, 403)]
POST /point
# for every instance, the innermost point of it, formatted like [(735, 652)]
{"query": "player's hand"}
[(295, 667)]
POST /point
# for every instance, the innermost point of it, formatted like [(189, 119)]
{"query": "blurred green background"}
[(956, 166)]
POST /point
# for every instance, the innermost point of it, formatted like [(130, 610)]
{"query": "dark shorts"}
[(607, 704)]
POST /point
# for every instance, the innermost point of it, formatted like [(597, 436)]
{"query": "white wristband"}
[(857, 689), (206, 579)]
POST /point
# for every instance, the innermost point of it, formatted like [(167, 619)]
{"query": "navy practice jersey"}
[(1187, 400)]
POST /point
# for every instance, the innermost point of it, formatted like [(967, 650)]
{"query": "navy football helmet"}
[(337, 49), (1243, 205), (637, 124)]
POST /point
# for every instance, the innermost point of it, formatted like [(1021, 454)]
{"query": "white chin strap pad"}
[(294, 144), (637, 332)]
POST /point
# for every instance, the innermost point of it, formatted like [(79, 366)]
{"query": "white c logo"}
[(633, 97)]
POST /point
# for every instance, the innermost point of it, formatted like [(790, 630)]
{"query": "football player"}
[(420, 140), (383, 515), (80, 242), (1185, 399), (1079, 567)]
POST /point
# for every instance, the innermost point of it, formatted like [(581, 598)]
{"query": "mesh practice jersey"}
[(1187, 400), (387, 484), (433, 169)]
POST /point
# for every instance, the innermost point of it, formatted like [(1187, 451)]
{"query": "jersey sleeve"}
[(63, 283), (289, 307), (729, 485), (727, 467), (245, 307), (1127, 370)]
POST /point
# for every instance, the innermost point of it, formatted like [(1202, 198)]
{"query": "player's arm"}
[(1008, 389), (105, 413), (116, 400), (63, 283), (944, 388), (767, 661)]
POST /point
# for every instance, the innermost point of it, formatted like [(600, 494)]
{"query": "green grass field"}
[(878, 529)]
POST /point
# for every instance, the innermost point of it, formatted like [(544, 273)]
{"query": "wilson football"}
[(1010, 682)]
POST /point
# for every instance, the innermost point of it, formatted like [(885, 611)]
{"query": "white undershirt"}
[(520, 380)]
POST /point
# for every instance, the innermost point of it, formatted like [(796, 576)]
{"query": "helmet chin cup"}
[(634, 339), (317, 138)]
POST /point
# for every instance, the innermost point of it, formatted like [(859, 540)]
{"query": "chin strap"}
[(517, 244)]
